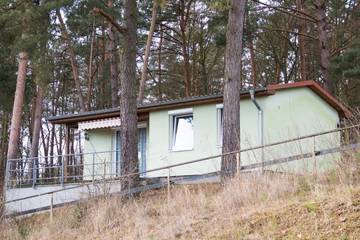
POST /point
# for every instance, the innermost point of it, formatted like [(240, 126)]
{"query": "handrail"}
[(109, 180)]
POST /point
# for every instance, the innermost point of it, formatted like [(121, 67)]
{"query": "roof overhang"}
[(144, 109)]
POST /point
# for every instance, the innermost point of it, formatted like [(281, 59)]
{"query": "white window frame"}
[(114, 142), (172, 116), (219, 125)]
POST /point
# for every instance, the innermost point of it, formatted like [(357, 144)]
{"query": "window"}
[(219, 112), (181, 132), (142, 139)]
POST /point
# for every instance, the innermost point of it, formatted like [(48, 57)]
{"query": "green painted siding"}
[(99, 146), (287, 114), (298, 112)]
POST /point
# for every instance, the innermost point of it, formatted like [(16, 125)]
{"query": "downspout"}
[(261, 125)]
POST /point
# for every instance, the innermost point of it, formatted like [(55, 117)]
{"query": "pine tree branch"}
[(298, 13), (110, 19), (288, 31)]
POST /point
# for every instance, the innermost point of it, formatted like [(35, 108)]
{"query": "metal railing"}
[(68, 168), (88, 167), (111, 177)]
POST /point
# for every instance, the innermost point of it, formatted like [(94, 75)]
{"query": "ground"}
[(254, 207)]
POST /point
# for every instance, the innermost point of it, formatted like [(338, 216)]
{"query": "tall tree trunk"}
[(15, 127), (16, 117), (252, 61), (73, 62), (128, 108), (159, 84), (184, 17), (114, 73), (323, 45), (36, 131), (301, 38), (3, 145), (232, 84), (147, 52), (90, 68)]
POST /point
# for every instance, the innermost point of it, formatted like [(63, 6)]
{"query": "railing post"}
[(238, 164), (7, 176), (168, 185), (62, 171), (93, 168), (51, 207), (314, 155), (33, 173)]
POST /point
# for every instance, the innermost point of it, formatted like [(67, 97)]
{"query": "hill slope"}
[(255, 207)]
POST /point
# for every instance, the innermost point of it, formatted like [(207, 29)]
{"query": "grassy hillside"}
[(269, 206)]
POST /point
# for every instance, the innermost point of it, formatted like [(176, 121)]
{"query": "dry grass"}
[(268, 206), (256, 206)]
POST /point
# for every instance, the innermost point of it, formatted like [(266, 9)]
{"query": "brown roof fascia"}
[(330, 99), (143, 110)]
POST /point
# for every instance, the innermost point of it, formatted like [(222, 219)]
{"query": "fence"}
[(109, 170), (68, 168)]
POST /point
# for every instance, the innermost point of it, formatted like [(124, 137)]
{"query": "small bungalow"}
[(181, 130)]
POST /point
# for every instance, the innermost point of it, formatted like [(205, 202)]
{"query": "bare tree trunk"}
[(114, 73), (147, 52), (320, 6), (15, 126), (252, 61), (90, 68), (184, 17), (128, 108), (75, 70), (302, 49), (3, 145), (232, 83), (159, 84), (36, 130)]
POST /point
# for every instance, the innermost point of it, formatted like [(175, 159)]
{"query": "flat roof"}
[(198, 100)]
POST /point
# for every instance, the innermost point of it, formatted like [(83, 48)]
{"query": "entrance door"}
[(141, 151)]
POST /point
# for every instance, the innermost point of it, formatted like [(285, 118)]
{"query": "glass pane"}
[(141, 150), (183, 133), (220, 125)]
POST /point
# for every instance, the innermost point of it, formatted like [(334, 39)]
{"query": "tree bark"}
[(3, 145), (128, 107), (114, 73), (73, 62), (252, 61), (16, 117), (36, 130), (232, 85), (320, 6), (159, 83), (184, 17), (302, 49), (147, 52), (90, 68)]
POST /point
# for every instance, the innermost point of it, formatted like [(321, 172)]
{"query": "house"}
[(177, 131)]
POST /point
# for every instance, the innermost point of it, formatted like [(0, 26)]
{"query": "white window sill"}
[(181, 150)]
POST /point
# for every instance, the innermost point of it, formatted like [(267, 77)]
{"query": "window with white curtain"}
[(181, 131), (219, 112)]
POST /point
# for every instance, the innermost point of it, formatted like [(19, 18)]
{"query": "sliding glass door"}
[(141, 151)]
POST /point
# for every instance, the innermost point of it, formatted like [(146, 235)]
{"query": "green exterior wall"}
[(287, 114), (98, 149)]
